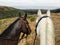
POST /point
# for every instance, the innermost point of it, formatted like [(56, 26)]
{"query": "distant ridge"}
[(56, 10), (34, 11), (6, 8)]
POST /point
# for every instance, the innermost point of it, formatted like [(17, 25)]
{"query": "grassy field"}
[(56, 20), (4, 23)]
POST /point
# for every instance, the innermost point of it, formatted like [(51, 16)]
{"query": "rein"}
[(36, 27)]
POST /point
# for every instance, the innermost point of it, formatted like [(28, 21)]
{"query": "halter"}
[(37, 25)]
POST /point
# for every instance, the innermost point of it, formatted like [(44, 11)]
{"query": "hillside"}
[(7, 12)]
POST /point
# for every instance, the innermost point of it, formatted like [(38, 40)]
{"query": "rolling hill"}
[(7, 12)]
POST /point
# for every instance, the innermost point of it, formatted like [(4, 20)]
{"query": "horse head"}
[(25, 25)]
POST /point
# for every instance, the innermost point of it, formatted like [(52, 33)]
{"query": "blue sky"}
[(33, 4)]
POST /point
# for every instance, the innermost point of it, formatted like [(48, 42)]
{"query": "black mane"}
[(9, 28)]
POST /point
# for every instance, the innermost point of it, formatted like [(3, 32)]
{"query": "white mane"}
[(45, 29)]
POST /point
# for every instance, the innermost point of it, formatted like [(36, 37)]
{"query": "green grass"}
[(32, 18)]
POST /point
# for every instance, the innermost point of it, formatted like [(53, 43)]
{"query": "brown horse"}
[(14, 30), (25, 29)]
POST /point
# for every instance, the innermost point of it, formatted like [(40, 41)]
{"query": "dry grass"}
[(4, 23), (56, 20)]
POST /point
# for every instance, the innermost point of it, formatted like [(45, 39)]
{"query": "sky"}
[(31, 4)]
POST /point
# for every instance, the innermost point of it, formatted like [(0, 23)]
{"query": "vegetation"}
[(4, 23), (32, 18), (7, 12)]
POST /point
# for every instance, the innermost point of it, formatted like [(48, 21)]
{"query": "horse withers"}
[(11, 34)]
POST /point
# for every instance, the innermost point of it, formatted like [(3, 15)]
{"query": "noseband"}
[(26, 24)]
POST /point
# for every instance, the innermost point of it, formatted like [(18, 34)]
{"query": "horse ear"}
[(25, 16), (39, 12), (48, 13), (19, 14)]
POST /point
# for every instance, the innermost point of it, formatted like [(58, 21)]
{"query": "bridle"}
[(36, 27), (26, 23)]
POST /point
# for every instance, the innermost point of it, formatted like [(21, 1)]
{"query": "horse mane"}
[(9, 28)]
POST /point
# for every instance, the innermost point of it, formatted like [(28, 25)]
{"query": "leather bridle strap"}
[(40, 20)]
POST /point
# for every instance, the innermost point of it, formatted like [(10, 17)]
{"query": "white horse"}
[(45, 29)]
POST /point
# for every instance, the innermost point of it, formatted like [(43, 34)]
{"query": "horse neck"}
[(40, 17), (8, 29)]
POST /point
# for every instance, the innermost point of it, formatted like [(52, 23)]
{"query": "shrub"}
[(32, 18)]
